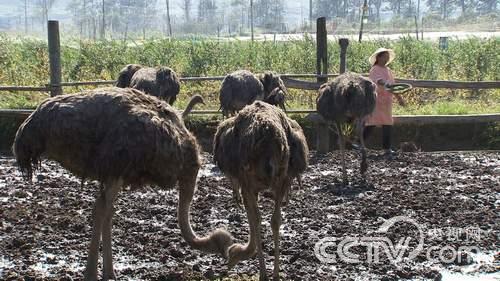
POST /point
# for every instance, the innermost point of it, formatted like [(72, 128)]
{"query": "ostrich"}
[(348, 98), (161, 82), (260, 149), (120, 137), (242, 88), (126, 74)]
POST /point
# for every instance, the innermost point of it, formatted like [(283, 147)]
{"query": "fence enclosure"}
[(56, 86)]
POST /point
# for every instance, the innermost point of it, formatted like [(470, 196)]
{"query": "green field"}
[(25, 62)]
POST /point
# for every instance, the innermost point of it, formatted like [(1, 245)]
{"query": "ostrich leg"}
[(341, 147), (254, 215), (97, 220), (275, 225), (236, 191), (360, 125), (262, 263), (239, 252), (110, 196)]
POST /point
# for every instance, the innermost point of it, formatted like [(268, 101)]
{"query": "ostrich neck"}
[(189, 108)]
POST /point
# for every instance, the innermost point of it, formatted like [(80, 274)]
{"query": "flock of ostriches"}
[(130, 135)]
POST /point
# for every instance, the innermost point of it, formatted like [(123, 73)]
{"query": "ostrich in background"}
[(119, 137), (126, 74), (260, 149), (348, 98), (161, 82), (242, 87)]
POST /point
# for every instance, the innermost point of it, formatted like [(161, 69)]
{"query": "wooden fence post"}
[(322, 130), (416, 27), (321, 50), (54, 58), (422, 30), (343, 42)]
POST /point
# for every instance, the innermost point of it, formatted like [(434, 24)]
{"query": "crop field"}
[(24, 62)]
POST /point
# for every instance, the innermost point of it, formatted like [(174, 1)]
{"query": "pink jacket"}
[(382, 115)]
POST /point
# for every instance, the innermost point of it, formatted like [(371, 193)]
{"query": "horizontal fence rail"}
[(289, 80), (428, 119), (24, 89), (314, 116), (435, 84)]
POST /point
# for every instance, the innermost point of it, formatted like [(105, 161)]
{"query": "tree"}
[(26, 16), (331, 9), (169, 24), (186, 8), (487, 6), (237, 15), (377, 4), (41, 11), (206, 10), (442, 7), (269, 14)]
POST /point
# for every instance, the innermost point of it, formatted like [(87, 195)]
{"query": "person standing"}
[(382, 76)]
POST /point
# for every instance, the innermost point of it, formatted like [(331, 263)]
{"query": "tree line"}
[(124, 18)]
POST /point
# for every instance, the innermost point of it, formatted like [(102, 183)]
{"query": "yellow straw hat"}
[(373, 57)]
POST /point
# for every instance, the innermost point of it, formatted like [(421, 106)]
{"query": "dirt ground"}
[(45, 225)]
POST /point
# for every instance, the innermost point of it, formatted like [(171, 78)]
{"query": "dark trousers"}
[(386, 134)]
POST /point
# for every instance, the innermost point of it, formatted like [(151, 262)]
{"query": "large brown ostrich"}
[(120, 137), (348, 98), (242, 88), (260, 149), (161, 82)]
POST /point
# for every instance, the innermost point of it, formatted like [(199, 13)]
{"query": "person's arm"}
[(383, 83), (400, 99)]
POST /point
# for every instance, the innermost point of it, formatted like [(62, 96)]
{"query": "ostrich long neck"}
[(218, 241), (189, 107)]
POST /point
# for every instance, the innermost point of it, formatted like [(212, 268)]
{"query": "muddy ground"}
[(454, 197)]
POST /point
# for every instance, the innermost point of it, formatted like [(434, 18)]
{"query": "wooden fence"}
[(288, 79), (55, 87)]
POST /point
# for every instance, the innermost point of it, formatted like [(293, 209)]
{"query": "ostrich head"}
[(126, 74), (196, 99), (277, 98), (275, 91), (169, 84)]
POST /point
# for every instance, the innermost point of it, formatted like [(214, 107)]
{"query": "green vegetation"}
[(25, 62)]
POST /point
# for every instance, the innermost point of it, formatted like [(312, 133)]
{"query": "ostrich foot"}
[(237, 196), (345, 181), (276, 276), (263, 276), (237, 199), (90, 275), (109, 275), (363, 168)]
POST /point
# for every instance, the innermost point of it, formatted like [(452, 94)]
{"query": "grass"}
[(448, 107), (21, 100), (489, 103), (25, 62)]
